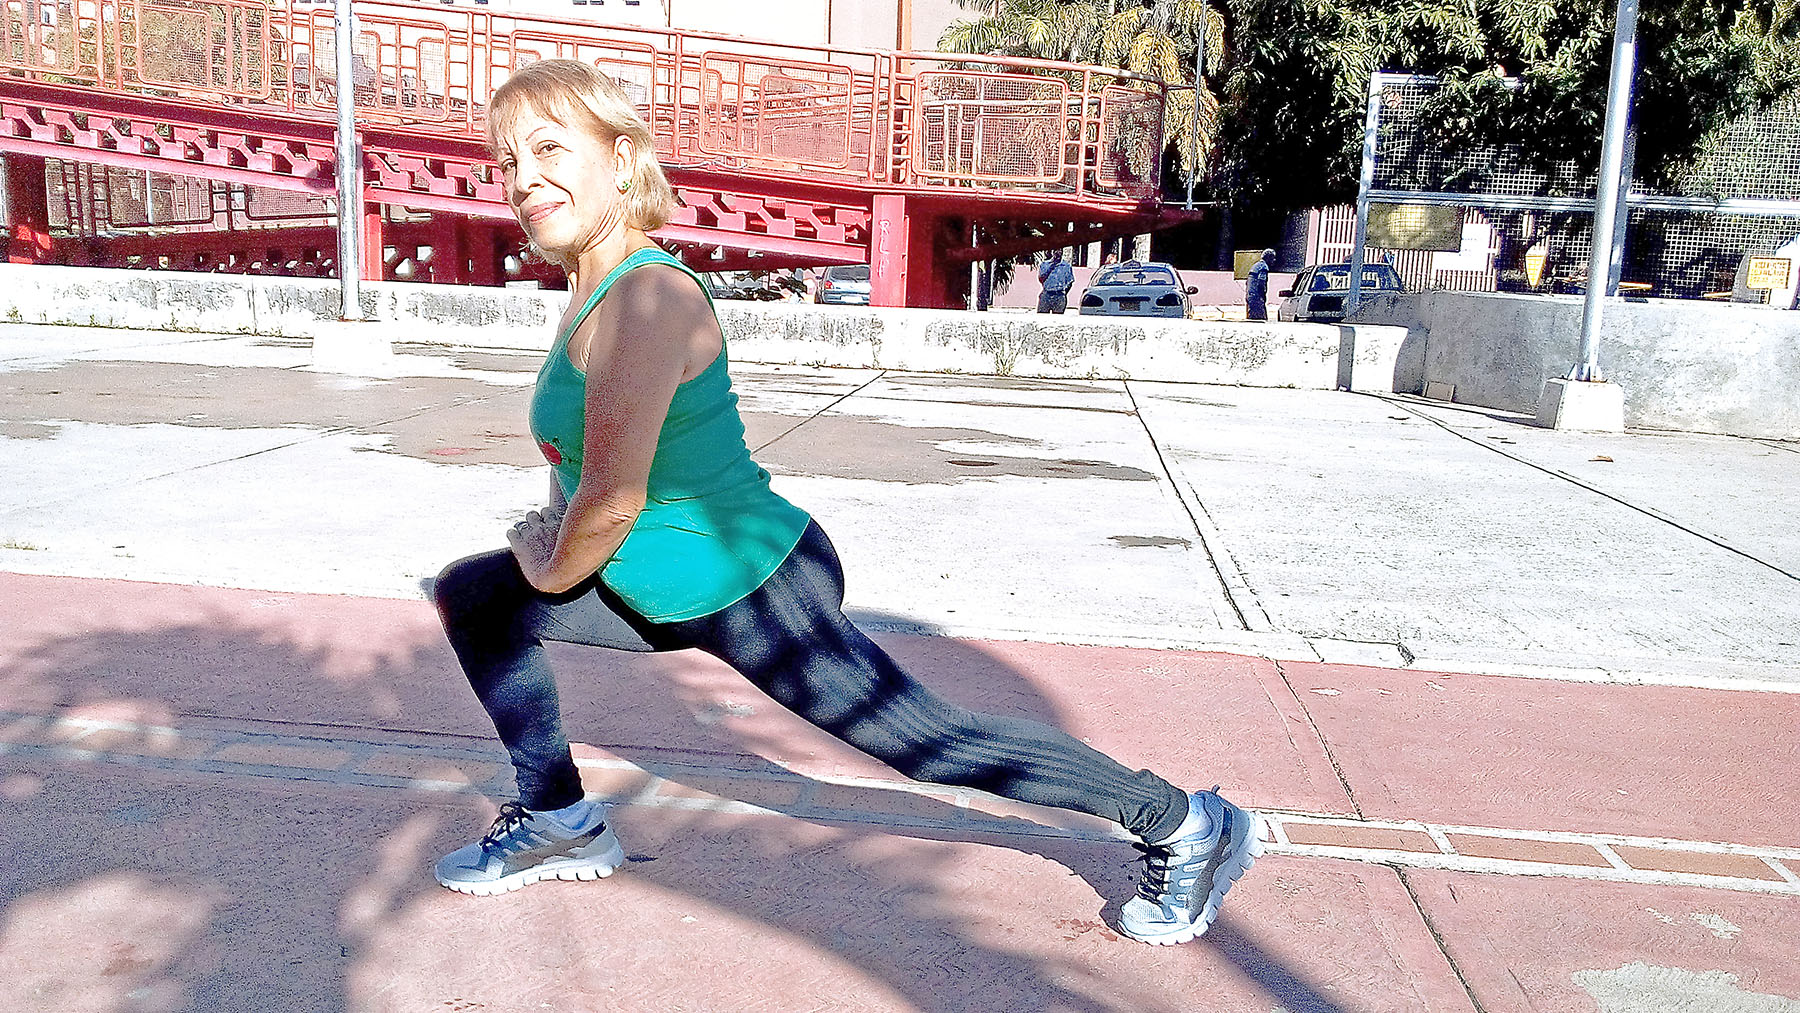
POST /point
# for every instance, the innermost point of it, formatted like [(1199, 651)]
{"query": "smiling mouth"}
[(539, 213)]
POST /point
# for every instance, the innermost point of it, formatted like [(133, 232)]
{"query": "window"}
[(1134, 275)]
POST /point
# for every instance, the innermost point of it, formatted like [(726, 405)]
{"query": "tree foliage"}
[(1285, 129), (1156, 40), (1299, 71)]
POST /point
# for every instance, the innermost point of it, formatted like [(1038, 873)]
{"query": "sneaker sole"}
[(1231, 869), (583, 868)]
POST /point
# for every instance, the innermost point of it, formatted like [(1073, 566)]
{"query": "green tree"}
[(1156, 39), (1298, 78)]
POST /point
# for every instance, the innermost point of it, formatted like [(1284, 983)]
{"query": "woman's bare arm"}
[(652, 327)]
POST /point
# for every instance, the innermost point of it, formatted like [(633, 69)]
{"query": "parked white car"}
[(1319, 291), (1132, 289)]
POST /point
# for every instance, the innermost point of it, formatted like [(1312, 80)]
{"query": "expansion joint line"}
[(1231, 576), (1572, 480), (1437, 939), (785, 432), (298, 753)]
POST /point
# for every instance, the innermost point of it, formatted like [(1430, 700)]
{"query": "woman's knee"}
[(473, 583)]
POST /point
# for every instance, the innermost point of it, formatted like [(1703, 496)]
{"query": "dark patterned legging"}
[(791, 639)]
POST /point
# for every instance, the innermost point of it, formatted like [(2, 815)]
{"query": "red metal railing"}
[(869, 119)]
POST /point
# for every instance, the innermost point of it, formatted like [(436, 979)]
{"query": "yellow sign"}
[(1415, 227), (1769, 273), (1242, 261), (1536, 259)]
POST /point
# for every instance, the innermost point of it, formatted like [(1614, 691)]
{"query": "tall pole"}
[(1606, 202), (1360, 240), (1194, 133), (349, 167)]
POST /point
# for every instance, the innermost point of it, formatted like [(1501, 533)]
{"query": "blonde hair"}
[(577, 95)]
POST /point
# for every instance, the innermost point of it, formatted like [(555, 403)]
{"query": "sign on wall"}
[(1769, 273), (1415, 227)]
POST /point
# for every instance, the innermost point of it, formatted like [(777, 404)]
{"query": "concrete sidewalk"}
[(1296, 524), (217, 675)]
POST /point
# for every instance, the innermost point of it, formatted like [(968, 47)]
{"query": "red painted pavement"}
[(1476, 750), (1521, 942), (164, 890)]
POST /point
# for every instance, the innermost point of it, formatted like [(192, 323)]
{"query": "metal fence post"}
[(1194, 131), (1606, 202), (1360, 242)]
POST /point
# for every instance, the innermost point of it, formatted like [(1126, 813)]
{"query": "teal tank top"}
[(711, 530)]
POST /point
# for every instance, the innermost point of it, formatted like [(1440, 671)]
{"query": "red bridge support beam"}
[(374, 242), (889, 244), (27, 202), (909, 239)]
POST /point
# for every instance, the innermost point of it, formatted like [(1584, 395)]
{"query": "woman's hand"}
[(533, 542)]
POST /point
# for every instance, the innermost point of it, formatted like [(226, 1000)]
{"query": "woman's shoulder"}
[(660, 273)]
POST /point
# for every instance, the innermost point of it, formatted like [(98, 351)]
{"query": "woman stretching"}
[(663, 534)]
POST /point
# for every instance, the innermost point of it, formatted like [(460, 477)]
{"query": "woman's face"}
[(563, 183)]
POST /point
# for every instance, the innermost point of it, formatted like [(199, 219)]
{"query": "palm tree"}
[(1155, 38)]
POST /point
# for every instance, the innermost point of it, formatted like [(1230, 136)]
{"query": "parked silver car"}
[(1136, 290), (844, 285), (1319, 291)]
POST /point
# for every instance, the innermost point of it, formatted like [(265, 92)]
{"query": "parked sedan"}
[(844, 285), (1319, 291), (1136, 290)]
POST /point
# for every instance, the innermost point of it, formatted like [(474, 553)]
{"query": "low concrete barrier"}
[(1312, 356), (1689, 366)]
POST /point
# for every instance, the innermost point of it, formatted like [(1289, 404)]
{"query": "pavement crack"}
[(1324, 743), (785, 432), (1437, 939), (1650, 512), (1223, 564)]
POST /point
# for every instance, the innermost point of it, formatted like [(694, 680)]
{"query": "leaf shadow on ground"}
[(213, 889)]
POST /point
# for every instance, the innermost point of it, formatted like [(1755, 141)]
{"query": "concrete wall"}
[(1022, 344), (1311, 356), (1696, 367)]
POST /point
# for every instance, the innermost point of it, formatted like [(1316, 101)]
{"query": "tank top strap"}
[(639, 258)]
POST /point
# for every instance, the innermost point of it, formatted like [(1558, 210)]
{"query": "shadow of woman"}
[(302, 877)]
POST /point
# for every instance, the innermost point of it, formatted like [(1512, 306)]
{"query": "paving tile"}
[(986, 808), (427, 767), (24, 731), (613, 782), (1697, 862), (1516, 850), (1337, 835), (1647, 761), (886, 802), (174, 747), (1551, 945), (279, 755), (722, 785)]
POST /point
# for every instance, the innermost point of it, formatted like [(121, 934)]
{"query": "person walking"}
[(1256, 297), (663, 534), (1057, 277)]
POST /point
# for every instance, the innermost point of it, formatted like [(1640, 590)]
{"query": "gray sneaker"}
[(1185, 879), (524, 847)]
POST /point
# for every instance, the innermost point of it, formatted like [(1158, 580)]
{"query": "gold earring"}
[(624, 185)]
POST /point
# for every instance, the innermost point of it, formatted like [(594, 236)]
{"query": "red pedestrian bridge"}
[(198, 135)]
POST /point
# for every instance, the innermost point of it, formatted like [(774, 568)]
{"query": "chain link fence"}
[(1528, 221)]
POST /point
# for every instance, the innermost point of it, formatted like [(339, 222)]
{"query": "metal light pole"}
[(349, 167), (1194, 133), (1606, 201)]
